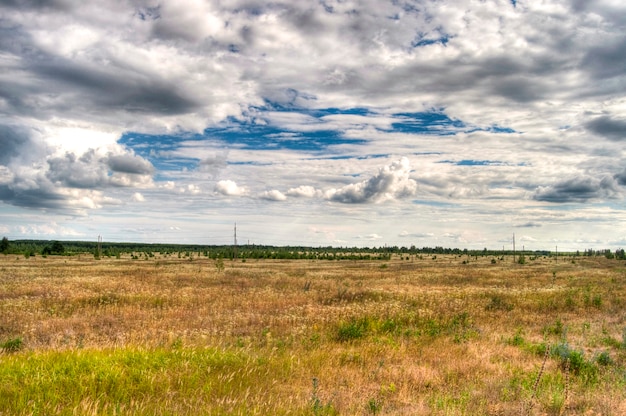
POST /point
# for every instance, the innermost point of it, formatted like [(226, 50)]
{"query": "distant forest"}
[(113, 249)]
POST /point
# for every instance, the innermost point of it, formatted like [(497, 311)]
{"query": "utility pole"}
[(235, 245), (513, 247)]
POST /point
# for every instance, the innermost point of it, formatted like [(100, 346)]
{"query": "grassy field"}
[(442, 335)]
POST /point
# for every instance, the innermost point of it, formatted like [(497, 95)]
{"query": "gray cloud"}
[(86, 171), (12, 142), (115, 87), (621, 178), (607, 60), (608, 127), (39, 197), (579, 189), (128, 163)]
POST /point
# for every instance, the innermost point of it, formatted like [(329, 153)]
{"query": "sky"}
[(317, 123)]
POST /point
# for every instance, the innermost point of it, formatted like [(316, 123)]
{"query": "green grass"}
[(130, 381)]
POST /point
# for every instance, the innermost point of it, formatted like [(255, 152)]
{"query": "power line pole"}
[(513, 247), (235, 245)]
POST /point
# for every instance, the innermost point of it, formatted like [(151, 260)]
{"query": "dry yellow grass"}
[(417, 336)]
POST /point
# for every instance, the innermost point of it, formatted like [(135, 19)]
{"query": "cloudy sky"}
[(305, 122)]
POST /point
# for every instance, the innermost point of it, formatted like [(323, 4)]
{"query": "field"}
[(442, 335)]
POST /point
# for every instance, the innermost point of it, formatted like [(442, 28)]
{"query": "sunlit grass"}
[(418, 336)]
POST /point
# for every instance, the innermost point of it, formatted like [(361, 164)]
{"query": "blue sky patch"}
[(434, 203), (300, 129), (435, 123), (472, 162)]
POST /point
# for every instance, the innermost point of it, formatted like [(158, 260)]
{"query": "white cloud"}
[(229, 188), (138, 197), (305, 191), (391, 182), (273, 195)]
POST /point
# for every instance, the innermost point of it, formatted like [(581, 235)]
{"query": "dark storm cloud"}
[(579, 189), (621, 178), (608, 127)]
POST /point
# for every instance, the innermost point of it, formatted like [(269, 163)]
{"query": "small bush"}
[(517, 339), (557, 329), (604, 359), (576, 362), (13, 345), (352, 330)]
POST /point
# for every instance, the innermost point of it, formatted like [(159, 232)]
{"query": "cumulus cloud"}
[(273, 195), (85, 171), (304, 191), (391, 182), (229, 188)]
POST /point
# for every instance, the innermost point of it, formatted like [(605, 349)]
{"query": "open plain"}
[(415, 334)]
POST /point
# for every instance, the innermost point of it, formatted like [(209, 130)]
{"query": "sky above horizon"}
[(331, 122)]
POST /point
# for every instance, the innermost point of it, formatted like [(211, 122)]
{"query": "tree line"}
[(254, 251)]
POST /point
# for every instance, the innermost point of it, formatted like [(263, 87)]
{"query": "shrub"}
[(354, 329), (576, 362), (13, 345), (604, 358)]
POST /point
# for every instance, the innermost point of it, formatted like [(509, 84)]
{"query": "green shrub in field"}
[(353, 329), (12, 345), (575, 361)]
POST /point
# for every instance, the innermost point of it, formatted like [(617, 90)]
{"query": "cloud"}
[(229, 188), (608, 127), (405, 233), (13, 142), (86, 171), (101, 102), (304, 191), (128, 163), (273, 195), (370, 237), (579, 189), (391, 182), (529, 224), (93, 170)]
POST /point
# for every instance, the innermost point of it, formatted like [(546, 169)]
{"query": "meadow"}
[(409, 335)]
